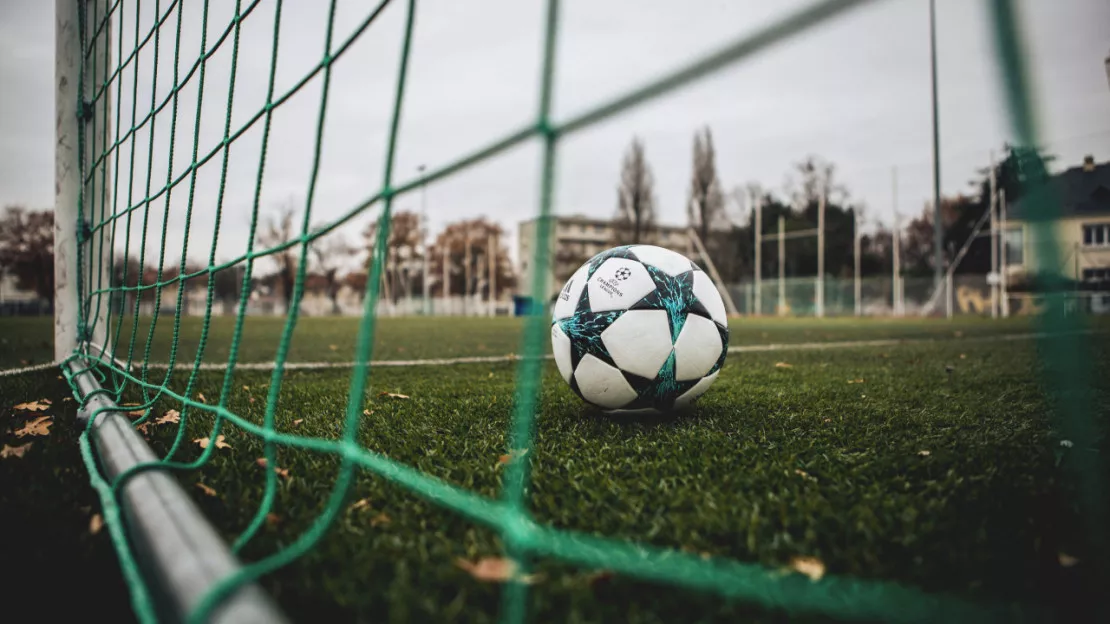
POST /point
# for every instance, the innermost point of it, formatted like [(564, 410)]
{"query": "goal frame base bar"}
[(180, 554)]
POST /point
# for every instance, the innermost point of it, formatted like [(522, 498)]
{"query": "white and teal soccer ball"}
[(639, 328)]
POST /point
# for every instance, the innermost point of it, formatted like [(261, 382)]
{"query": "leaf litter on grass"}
[(14, 451), (204, 442), (38, 427), (495, 570), (33, 406)]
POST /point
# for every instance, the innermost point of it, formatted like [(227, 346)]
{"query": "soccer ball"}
[(639, 328)]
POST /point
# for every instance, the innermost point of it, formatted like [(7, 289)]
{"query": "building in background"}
[(576, 239), (1082, 229)]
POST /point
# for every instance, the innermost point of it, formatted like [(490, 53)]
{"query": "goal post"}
[(171, 557)]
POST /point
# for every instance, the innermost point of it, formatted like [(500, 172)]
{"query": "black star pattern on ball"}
[(673, 293)]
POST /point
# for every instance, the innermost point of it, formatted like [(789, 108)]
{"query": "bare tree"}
[(329, 255), (402, 251), (706, 206), (635, 218), (27, 249), (466, 244), (275, 231)]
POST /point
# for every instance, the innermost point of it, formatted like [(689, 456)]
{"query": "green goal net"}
[(114, 337)]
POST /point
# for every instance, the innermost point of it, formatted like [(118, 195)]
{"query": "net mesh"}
[(105, 218)]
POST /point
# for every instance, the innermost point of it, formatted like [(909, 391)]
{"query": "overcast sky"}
[(854, 91)]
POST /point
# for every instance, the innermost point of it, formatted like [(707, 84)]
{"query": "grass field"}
[(932, 463)]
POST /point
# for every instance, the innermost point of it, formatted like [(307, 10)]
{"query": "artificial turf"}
[(933, 465)]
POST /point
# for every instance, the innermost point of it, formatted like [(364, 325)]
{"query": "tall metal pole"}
[(1002, 262), (466, 273), (492, 257), (821, 253), (938, 257), (424, 238), (782, 265), (857, 290), (896, 268), (993, 206), (758, 207), (446, 253)]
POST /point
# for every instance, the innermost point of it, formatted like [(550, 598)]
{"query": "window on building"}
[(1096, 274), (1013, 240), (1096, 235)]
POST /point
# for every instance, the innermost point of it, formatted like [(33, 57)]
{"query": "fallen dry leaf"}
[(360, 504), (144, 428), (272, 519), (923, 453), (332, 347), (207, 490), (33, 406), (783, 365), (963, 356), (247, 388), (14, 451), (805, 475), (203, 442), (599, 577), (1066, 560), (812, 567), (171, 416), (380, 519), (200, 397), (393, 395), (95, 524), (855, 381), (131, 412), (367, 412), (298, 421), (281, 472), (39, 426), (494, 570), (504, 459)]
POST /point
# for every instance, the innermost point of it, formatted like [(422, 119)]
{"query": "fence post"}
[(758, 207), (782, 266), (821, 254)]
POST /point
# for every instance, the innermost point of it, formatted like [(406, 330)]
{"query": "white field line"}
[(512, 357)]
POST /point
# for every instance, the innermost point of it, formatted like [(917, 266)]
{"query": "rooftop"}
[(1081, 190)]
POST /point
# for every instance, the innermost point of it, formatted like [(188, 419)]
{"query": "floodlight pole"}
[(992, 206), (445, 252), (1002, 259), (424, 240), (897, 302), (821, 253), (466, 271), (757, 205), (938, 235), (492, 256), (782, 265), (856, 290)]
